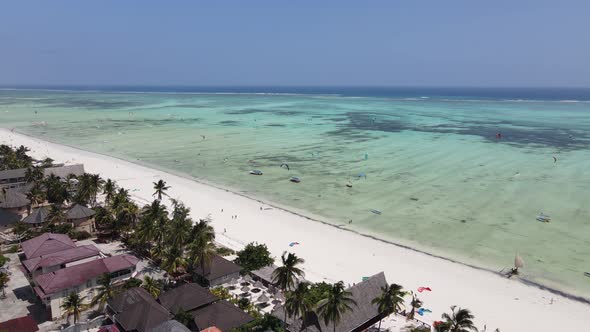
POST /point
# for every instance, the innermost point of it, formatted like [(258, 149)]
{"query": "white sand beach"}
[(333, 254)]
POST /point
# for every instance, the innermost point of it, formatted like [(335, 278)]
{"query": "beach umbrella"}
[(245, 289), (518, 261), (247, 278), (233, 281), (280, 296), (263, 298), (258, 284)]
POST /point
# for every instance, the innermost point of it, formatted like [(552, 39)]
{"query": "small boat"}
[(543, 217), (349, 185), (255, 172), (295, 179), (376, 211), (587, 274)]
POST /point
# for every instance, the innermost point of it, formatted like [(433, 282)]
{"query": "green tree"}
[(183, 317), (105, 292), (338, 302), (34, 174), (160, 189), (318, 291), (73, 305), (109, 189), (132, 283), (56, 215), (152, 286), (55, 190), (267, 322), (297, 302), (221, 293), (4, 279), (389, 301), (460, 320), (286, 275), (254, 256)]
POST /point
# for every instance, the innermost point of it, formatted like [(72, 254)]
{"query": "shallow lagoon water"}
[(443, 181)]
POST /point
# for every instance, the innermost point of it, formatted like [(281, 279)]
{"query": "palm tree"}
[(179, 227), (183, 317), (160, 189), (201, 252), (56, 191), (106, 291), (4, 278), (390, 301), (297, 303), (56, 215), (73, 306), (108, 191), (416, 303), (286, 275), (460, 320), (173, 262), (33, 174), (338, 302), (152, 286), (36, 195)]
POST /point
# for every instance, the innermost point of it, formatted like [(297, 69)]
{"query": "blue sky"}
[(375, 43)]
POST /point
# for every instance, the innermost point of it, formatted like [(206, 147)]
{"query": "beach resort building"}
[(37, 217), (15, 201), (53, 287), (82, 218), (15, 178), (364, 314), (136, 310), (219, 271), (45, 244), (8, 220), (59, 260)]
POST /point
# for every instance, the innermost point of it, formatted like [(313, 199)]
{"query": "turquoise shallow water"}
[(434, 168)]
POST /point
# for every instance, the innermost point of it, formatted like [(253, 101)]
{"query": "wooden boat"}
[(255, 172), (295, 179), (376, 211)]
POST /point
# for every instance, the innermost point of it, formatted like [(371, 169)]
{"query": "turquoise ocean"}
[(430, 160)]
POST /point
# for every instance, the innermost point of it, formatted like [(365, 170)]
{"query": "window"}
[(89, 283)]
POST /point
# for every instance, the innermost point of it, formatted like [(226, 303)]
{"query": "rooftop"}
[(265, 273), (61, 257), (186, 297), (223, 315), (170, 326), (64, 171), (363, 314), (8, 218), (136, 310), (21, 324), (219, 267), (14, 199), (37, 216), (56, 281), (12, 173), (45, 244), (79, 211)]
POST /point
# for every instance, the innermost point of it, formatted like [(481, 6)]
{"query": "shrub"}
[(254, 256), (13, 249), (82, 235), (3, 260)]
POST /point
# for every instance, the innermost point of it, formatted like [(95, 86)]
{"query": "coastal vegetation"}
[(254, 256)]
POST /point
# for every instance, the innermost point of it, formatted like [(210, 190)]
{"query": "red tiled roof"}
[(61, 257), (21, 324), (46, 244), (56, 281)]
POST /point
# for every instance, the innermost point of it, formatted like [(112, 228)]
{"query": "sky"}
[(499, 43)]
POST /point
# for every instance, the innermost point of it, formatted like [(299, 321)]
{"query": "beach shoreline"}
[(490, 297)]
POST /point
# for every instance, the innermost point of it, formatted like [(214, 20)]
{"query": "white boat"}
[(255, 172)]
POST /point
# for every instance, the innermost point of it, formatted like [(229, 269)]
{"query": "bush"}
[(223, 251), (243, 303), (82, 235), (262, 324), (318, 291), (3, 260), (13, 249), (254, 256)]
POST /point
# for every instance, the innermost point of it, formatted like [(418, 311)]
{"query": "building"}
[(21, 324), (136, 310), (8, 220), (37, 217), (222, 315), (53, 287), (264, 274), (46, 244), (15, 201), (186, 297), (219, 271), (15, 178), (82, 218), (59, 260), (364, 315)]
